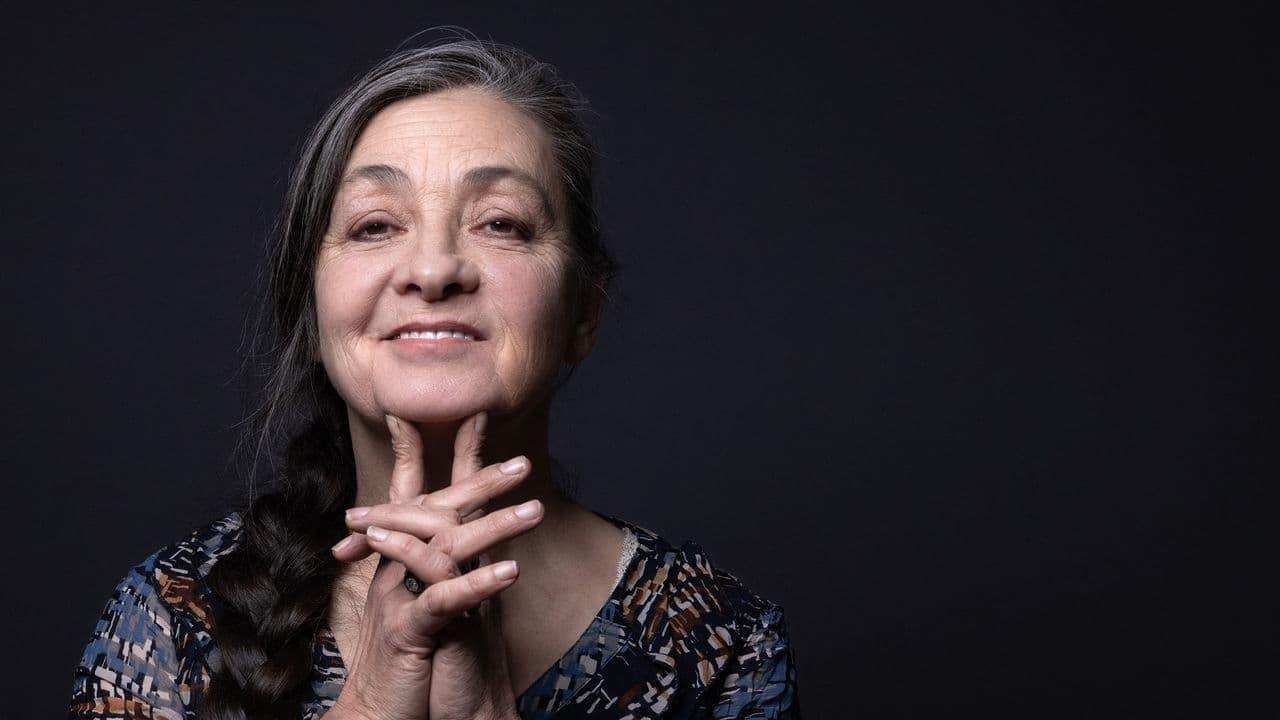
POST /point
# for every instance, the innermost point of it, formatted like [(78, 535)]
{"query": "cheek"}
[(346, 294), (347, 288), (536, 310)]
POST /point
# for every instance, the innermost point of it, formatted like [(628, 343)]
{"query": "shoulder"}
[(688, 578), (759, 624), (680, 595), (692, 640), (174, 575), (150, 644), (759, 678)]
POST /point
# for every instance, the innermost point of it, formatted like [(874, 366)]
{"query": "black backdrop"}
[(943, 327)]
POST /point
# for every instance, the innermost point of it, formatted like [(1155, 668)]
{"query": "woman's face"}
[(448, 213)]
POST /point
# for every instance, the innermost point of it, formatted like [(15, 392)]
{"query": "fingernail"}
[(356, 513), (343, 543), (481, 417), (527, 510), (376, 532), (393, 422), (513, 466), (505, 569)]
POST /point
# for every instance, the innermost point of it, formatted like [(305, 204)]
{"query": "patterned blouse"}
[(678, 638)]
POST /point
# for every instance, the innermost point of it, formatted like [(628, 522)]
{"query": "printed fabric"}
[(678, 638)]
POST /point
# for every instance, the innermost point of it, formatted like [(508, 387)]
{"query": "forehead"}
[(438, 136)]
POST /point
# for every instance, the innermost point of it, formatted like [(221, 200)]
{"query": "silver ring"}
[(413, 584), (416, 586)]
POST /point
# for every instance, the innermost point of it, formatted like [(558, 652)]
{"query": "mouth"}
[(442, 331), (428, 335)]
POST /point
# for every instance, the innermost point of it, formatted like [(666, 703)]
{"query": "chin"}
[(434, 404)]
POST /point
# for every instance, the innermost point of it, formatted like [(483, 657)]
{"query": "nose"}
[(435, 269)]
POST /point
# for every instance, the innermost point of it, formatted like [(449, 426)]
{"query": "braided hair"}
[(275, 587)]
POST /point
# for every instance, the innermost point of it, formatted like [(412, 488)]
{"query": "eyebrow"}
[(385, 175), (477, 178)]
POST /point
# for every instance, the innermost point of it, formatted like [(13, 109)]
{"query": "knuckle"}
[(504, 520), (476, 582), (429, 502), (445, 511), (401, 542), (445, 543), (494, 483), (402, 449), (400, 631), (443, 563), (435, 598)]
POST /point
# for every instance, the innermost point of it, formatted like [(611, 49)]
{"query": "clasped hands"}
[(438, 654)]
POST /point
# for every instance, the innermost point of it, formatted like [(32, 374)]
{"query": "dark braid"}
[(276, 586)]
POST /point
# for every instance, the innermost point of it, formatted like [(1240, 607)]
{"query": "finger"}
[(468, 540), (352, 547), (422, 521), (427, 563), (387, 578), (452, 597), (467, 446), (407, 474), (485, 485)]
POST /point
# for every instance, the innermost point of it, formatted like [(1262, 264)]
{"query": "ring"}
[(416, 586), (413, 584)]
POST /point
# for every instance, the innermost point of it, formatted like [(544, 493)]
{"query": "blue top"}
[(677, 638)]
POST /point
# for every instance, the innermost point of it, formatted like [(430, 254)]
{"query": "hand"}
[(418, 656)]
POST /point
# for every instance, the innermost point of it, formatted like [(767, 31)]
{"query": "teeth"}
[(429, 335)]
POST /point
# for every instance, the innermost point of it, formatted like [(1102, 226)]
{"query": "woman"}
[(438, 263)]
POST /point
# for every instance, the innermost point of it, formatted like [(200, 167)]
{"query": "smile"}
[(430, 335)]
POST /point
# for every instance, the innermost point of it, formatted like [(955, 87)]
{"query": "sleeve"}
[(129, 667), (761, 683)]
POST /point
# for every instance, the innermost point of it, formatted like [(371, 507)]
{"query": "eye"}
[(370, 231), (511, 228)]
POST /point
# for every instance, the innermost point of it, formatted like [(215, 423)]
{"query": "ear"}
[(587, 327)]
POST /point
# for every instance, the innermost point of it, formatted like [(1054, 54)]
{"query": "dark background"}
[(941, 326)]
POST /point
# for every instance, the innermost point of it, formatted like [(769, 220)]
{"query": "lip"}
[(436, 326)]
